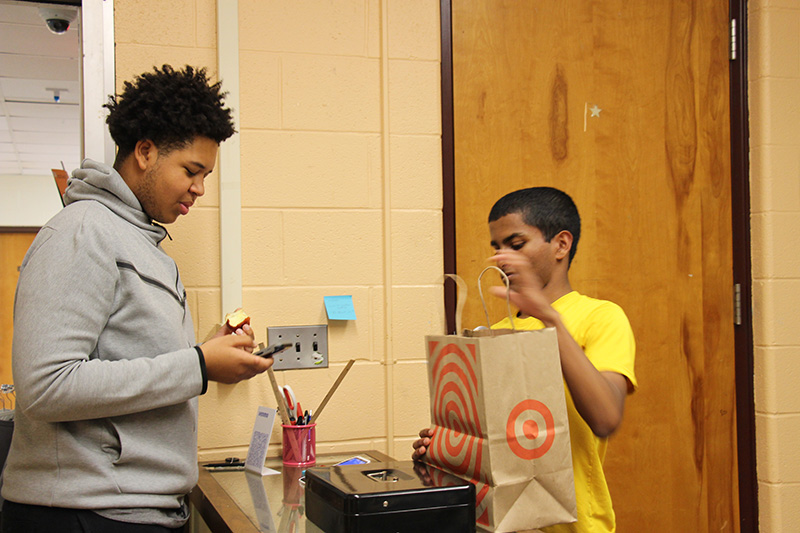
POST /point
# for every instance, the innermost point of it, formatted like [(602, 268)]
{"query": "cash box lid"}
[(387, 487)]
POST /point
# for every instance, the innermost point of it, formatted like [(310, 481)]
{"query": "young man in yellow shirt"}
[(535, 235)]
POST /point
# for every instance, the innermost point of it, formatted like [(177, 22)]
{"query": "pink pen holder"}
[(299, 445)]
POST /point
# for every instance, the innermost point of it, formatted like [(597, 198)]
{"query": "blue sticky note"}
[(340, 307)]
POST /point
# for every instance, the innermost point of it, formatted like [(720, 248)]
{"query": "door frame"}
[(740, 214), (742, 275)]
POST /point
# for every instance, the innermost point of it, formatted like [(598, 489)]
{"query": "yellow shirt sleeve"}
[(606, 338)]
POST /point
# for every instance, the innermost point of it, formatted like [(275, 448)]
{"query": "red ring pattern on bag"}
[(455, 444), (530, 429)]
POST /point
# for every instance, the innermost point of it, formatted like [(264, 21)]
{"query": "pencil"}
[(330, 392), (278, 396)]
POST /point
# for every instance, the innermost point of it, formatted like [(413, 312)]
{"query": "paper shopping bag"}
[(500, 420)]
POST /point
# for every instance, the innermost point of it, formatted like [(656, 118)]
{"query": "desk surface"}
[(238, 502)]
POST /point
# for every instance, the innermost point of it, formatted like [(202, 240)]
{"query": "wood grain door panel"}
[(624, 105)]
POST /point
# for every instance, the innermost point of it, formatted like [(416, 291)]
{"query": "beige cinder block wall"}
[(341, 194), (774, 88)]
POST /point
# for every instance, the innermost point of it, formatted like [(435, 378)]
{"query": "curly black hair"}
[(170, 108)]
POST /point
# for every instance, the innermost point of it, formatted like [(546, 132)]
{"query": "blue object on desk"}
[(340, 307)]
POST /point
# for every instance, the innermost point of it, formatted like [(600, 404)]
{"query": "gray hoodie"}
[(104, 364)]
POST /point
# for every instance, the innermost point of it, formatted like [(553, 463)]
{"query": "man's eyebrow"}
[(197, 164)]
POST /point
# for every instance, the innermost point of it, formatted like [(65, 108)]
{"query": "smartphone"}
[(272, 349), (230, 463), (225, 468), (355, 460)]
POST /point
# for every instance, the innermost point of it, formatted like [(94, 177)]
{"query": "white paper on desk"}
[(262, 430), (259, 495)]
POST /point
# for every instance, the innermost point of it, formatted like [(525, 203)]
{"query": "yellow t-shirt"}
[(603, 332)]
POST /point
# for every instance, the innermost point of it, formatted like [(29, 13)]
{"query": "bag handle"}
[(461, 296), (508, 301)]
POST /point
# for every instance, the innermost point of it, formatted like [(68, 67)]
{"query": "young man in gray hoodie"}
[(105, 364)]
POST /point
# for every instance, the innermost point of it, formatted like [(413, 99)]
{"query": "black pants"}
[(22, 518)]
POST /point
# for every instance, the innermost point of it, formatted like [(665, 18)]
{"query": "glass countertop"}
[(275, 503)]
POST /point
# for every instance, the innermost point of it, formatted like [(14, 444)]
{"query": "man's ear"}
[(145, 153), (563, 243)]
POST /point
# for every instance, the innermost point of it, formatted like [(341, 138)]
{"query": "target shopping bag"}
[(500, 420)]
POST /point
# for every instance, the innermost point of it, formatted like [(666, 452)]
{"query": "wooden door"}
[(624, 105), (13, 247)]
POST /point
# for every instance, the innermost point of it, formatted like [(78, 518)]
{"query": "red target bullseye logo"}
[(524, 415)]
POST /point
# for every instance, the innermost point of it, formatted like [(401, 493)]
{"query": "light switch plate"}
[(309, 346)]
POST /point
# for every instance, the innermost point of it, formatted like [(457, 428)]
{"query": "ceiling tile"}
[(36, 133)]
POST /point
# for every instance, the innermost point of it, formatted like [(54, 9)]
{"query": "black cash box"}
[(390, 497)]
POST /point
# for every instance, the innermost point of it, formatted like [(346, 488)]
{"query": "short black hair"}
[(170, 108), (546, 208)]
